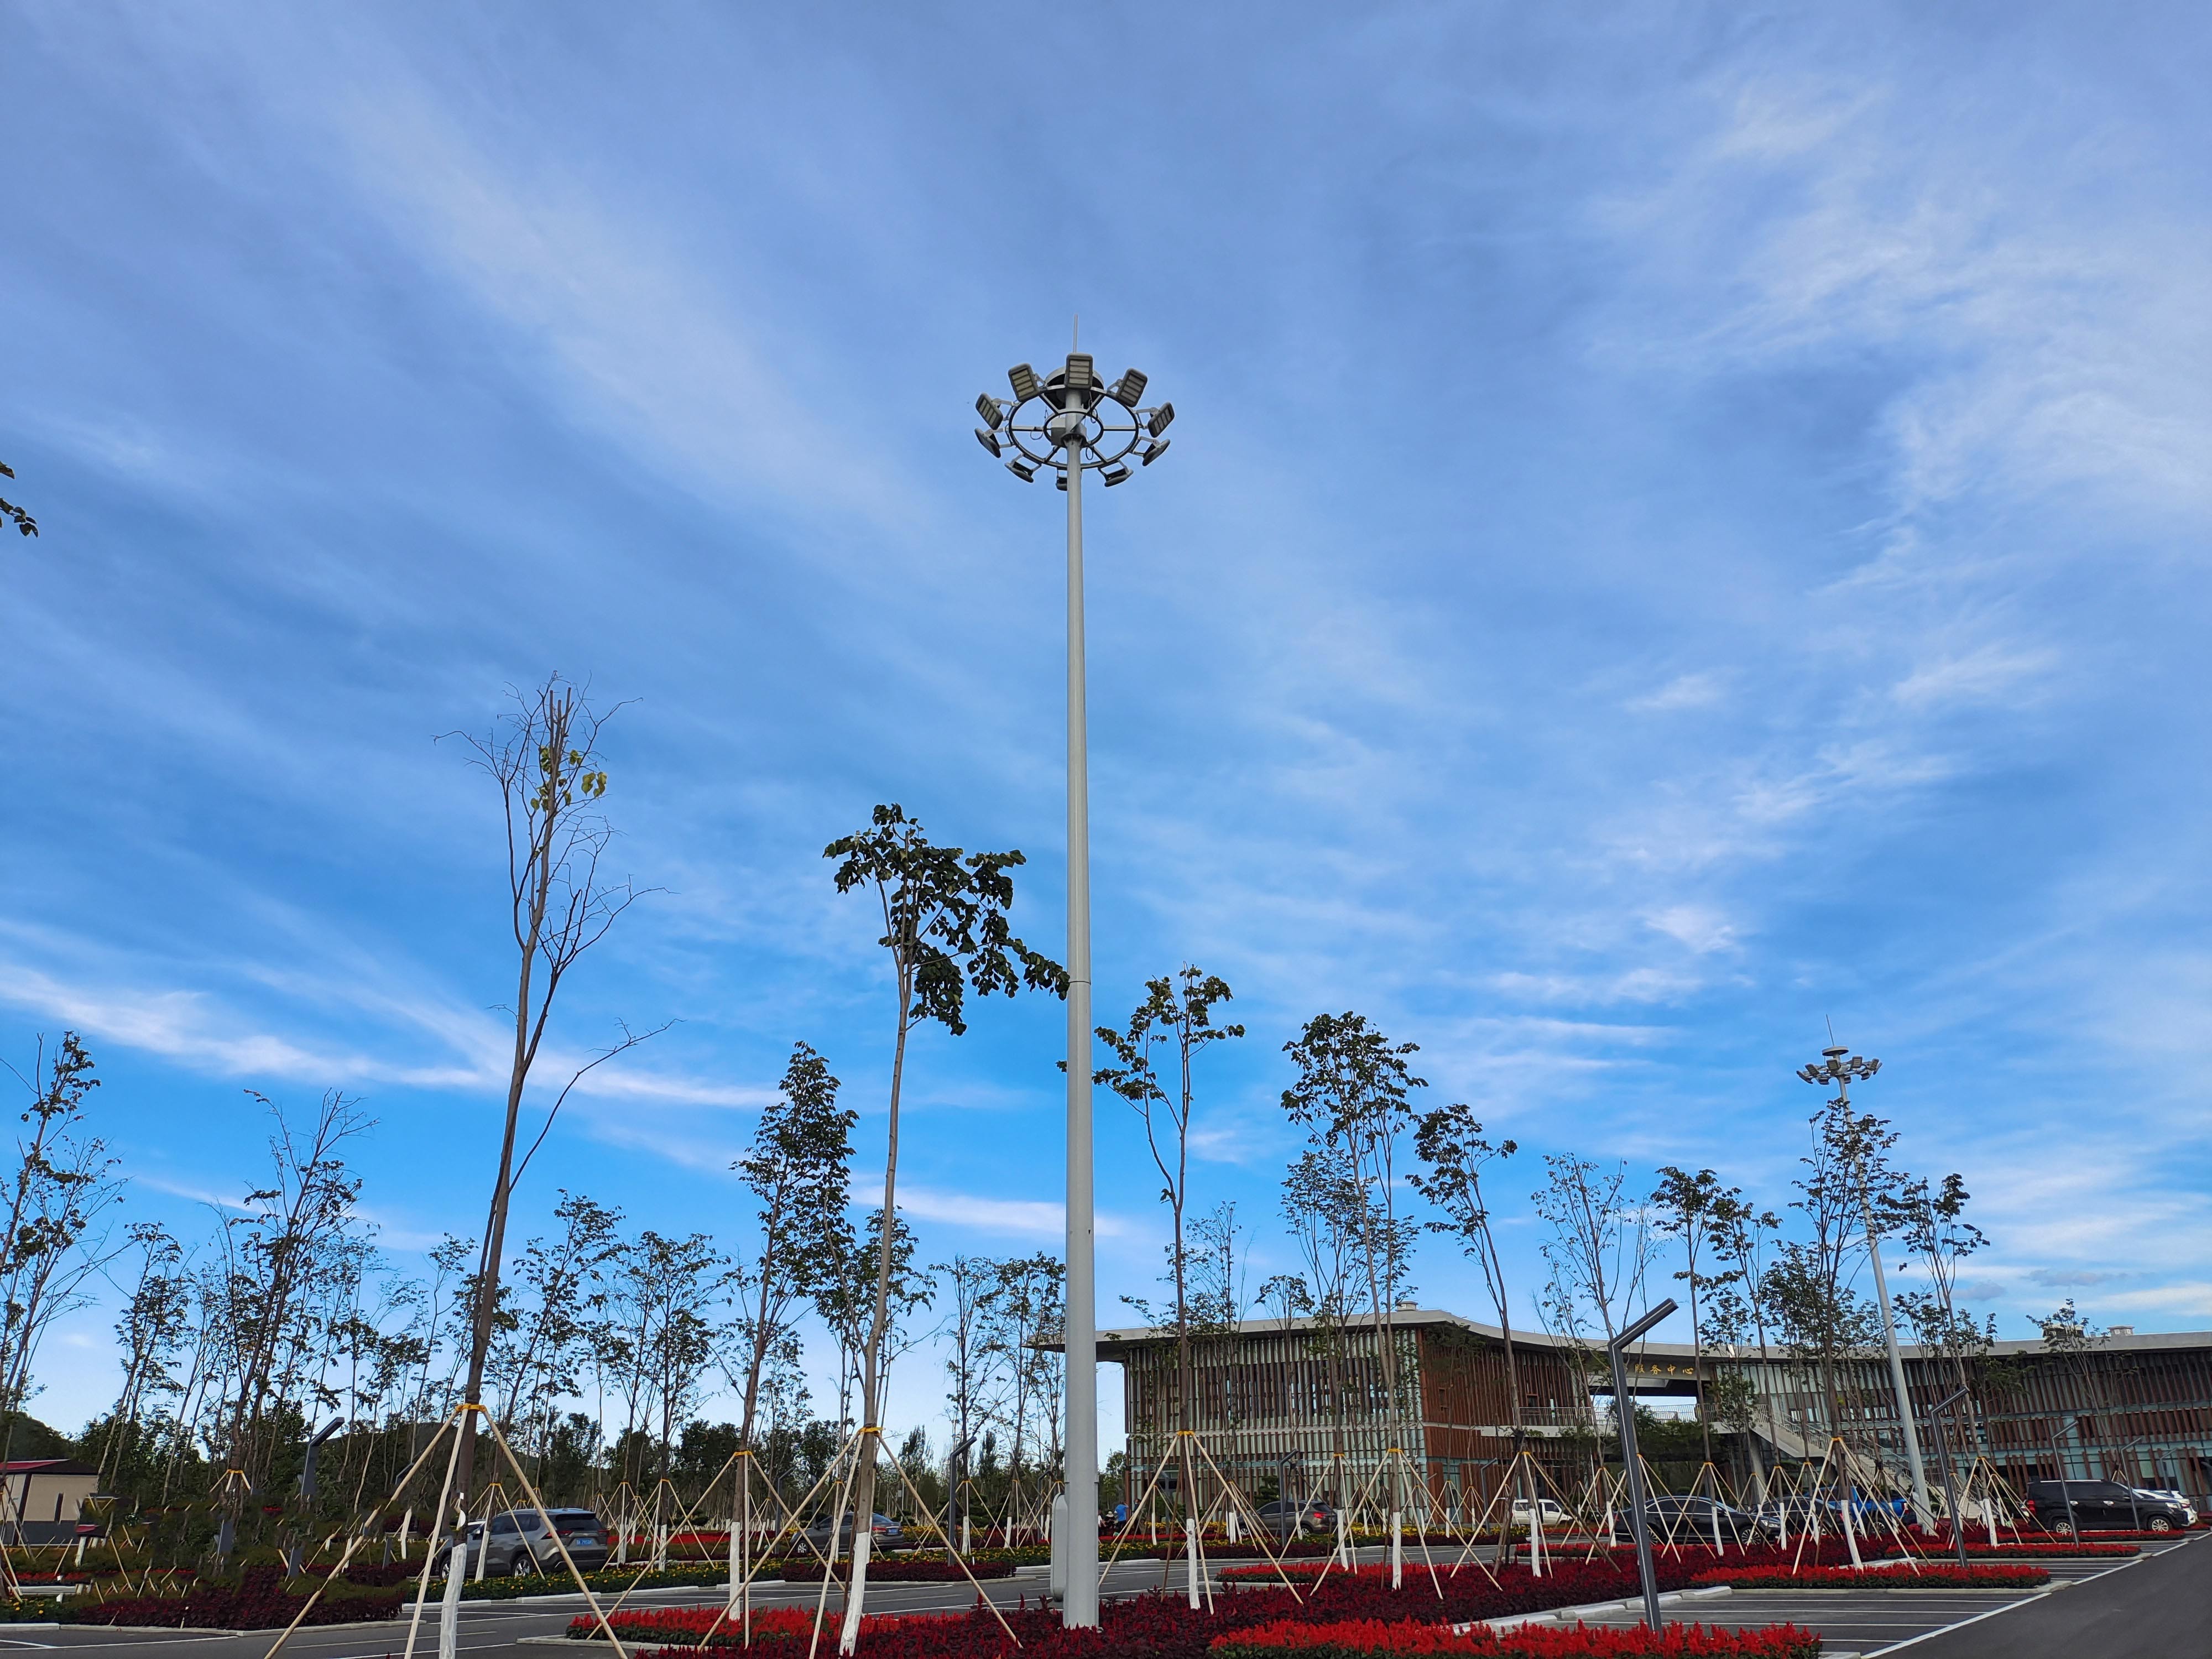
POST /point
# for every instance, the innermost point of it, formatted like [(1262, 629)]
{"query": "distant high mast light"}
[(1068, 423), (1839, 1068)]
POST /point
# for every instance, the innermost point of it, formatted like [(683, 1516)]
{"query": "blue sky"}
[(1685, 523)]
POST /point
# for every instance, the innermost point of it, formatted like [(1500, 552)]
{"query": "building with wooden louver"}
[(1302, 1408)]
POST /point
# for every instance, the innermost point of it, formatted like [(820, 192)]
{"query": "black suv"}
[(519, 1543), (2077, 1506)]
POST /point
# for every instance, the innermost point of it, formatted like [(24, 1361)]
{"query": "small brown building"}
[(44, 1498)]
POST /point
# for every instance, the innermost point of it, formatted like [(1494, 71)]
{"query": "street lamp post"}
[(1944, 1462), (1068, 423), (1631, 1461), (1835, 1069)]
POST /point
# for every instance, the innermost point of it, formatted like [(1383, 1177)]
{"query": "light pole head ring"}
[(1069, 420)]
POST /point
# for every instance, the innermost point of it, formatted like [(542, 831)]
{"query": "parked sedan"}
[(1696, 1520), (520, 1543), (1313, 1515), (1551, 1512)]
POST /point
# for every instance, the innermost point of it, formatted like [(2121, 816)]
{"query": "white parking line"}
[(2026, 1600)]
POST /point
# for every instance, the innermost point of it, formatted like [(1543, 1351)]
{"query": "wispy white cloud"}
[(1980, 676), (1699, 927), (1699, 690)]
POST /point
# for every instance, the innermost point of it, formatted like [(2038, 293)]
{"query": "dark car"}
[(1695, 1521), (519, 1544), (1800, 1512), (884, 1531), (1313, 1516), (2078, 1506)]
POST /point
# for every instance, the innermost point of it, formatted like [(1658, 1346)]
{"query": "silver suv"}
[(519, 1542)]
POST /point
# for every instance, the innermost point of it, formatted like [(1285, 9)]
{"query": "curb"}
[(1552, 1615), (167, 1630)]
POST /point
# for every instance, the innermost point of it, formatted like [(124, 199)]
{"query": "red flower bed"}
[(259, 1602), (881, 1570), (2038, 1535), (1355, 1638), (1156, 1627), (1930, 1575), (1943, 1551), (372, 1575)]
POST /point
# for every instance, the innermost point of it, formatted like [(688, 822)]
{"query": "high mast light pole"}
[(1835, 1068), (1068, 423)]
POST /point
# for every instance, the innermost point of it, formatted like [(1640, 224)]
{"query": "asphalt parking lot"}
[(2159, 1603), (1987, 1623)]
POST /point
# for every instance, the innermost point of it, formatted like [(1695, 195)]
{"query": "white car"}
[(2167, 1495), (1553, 1515)]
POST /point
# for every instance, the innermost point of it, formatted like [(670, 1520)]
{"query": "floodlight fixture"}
[(1067, 412)]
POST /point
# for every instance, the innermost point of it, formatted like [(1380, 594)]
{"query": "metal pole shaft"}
[(1080, 1609), (1951, 1494), (1624, 1413), (1924, 1511)]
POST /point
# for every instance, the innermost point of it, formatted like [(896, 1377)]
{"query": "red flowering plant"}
[(1942, 1549), (1156, 1627), (896, 1570), (1358, 1638), (258, 1601), (1890, 1574)]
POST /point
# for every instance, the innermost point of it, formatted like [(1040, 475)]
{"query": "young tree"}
[(288, 1257), (975, 1283), (544, 758), (1326, 1211), (1450, 1142), (1285, 1295), (2067, 1333), (801, 1172), (667, 1295), (152, 1329), (1352, 1095), (1736, 1306), (1849, 1191), (561, 1282), (1687, 1207), (1176, 1012), (62, 1186), (1938, 1230), (1599, 1250), (944, 924), (847, 1299), (1029, 1308), (11, 514)]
